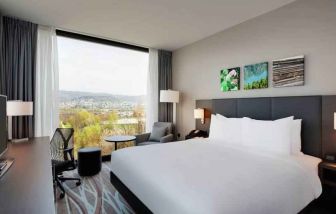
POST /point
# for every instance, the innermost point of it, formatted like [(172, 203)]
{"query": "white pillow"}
[(219, 116), (269, 136), (232, 128), (296, 137), (215, 131), (225, 130)]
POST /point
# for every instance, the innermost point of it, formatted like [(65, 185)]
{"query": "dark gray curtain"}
[(165, 82), (17, 77), (1, 34)]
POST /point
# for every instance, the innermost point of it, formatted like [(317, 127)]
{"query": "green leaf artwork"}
[(256, 76), (230, 79)]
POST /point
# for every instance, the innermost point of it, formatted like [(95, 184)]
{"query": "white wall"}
[(304, 27)]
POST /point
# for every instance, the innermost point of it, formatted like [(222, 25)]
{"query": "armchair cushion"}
[(167, 138), (168, 125), (141, 138), (157, 133), (147, 143)]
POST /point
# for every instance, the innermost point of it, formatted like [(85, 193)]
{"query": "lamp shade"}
[(199, 113), (169, 96), (19, 108)]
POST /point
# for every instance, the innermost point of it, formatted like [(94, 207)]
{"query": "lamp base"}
[(19, 140)]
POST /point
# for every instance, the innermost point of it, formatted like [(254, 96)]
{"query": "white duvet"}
[(200, 176)]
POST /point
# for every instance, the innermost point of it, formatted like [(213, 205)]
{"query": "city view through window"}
[(102, 91)]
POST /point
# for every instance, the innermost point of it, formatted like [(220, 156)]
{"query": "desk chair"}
[(62, 158)]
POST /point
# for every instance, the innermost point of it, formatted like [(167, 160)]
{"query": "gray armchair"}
[(144, 139)]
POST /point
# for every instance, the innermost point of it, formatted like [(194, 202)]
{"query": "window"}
[(102, 90)]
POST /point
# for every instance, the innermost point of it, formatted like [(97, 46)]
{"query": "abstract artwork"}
[(256, 76), (230, 79), (288, 72)]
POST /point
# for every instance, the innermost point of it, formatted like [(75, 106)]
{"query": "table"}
[(119, 139), (27, 187), (327, 173), (89, 161)]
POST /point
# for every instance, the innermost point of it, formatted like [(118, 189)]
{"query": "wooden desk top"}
[(27, 186)]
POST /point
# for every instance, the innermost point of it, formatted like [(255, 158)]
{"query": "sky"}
[(92, 67)]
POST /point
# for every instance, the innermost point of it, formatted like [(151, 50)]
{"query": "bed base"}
[(137, 205)]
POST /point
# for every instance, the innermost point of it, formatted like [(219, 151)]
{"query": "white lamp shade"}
[(169, 96), (199, 113), (19, 108), (335, 120)]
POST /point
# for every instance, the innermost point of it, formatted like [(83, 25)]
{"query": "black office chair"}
[(62, 158)]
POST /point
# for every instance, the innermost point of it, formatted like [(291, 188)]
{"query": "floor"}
[(325, 204), (95, 195)]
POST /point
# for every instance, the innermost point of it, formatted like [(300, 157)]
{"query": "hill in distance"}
[(76, 95)]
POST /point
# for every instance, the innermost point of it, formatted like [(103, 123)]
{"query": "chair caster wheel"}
[(78, 183), (62, 195)]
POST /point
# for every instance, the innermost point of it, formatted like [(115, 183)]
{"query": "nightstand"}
[(327, 173)]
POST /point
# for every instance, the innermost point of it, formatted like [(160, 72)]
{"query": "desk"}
[(27, 187)]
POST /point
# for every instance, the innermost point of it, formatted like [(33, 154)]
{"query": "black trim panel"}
[(137, 205), (100, 40)]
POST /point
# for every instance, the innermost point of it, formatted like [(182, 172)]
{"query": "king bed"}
[(209, 176)]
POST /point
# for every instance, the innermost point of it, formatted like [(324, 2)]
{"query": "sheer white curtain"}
[(152, 98), (46, 93)]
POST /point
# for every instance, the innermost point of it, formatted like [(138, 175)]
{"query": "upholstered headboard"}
[(316, 113)]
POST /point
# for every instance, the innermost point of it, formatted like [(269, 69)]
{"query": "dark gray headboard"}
[(316, 112)]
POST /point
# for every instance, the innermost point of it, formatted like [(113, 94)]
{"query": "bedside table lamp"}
[(199, 114), (170, 96), (331, 157), (17, 108)]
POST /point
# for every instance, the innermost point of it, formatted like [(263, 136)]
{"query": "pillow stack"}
[(270, 136), (281, 136), (226, 129)]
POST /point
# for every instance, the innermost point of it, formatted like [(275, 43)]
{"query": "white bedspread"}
[(200, 176)]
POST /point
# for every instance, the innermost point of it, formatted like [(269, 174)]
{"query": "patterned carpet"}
[(95, 195)]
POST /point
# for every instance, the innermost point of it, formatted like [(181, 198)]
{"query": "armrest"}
[(68, 151), (141, 138), (167, 138)]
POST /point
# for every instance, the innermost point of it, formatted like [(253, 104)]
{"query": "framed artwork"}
[(230, 79), (256, 76), (288, 72)]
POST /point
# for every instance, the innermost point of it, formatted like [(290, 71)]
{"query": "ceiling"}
[(164, 24)]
